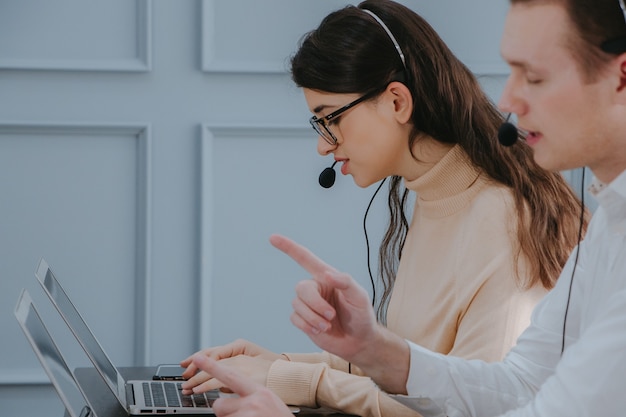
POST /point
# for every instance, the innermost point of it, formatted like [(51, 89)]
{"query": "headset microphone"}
[(507, 133), (327, 177)]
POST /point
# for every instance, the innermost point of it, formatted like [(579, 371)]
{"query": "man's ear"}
[(402, 101)]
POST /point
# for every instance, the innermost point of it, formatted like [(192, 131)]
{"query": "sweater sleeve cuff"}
[(308, 357), (295, 382)]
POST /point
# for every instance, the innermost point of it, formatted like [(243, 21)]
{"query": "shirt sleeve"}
[(589, 379), (537, 378), (440, 385)]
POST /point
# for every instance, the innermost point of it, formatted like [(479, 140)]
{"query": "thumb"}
[(351, 291)]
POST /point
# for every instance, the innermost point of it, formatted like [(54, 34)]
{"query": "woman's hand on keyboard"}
[(254, 367), (236, 348), (253, 398)]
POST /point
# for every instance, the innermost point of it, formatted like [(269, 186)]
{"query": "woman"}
[(490, 230)]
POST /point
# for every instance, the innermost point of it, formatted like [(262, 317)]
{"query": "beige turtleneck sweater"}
[(455, 293)]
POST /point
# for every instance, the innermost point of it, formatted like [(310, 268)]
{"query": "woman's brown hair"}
[(351, 53)]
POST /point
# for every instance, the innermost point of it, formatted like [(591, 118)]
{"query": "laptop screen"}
[(50, 357), (82, 332)]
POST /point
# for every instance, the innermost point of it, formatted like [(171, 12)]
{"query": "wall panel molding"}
[(211, 62), (275, 37), (141, 132), (142, 62), (228, 54), (209, 134), (24, 377)]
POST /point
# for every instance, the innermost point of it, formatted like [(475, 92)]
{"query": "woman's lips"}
[(344, 167), (532, 138)]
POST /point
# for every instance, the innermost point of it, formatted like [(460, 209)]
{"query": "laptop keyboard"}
[(168, 394)]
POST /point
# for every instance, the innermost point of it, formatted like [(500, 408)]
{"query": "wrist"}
[(386, 360)]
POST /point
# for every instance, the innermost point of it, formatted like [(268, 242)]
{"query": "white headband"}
[(393, 39)]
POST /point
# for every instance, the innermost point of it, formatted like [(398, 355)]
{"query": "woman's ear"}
[(402, 101)]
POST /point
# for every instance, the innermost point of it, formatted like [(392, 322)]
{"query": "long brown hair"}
[(351, 53)]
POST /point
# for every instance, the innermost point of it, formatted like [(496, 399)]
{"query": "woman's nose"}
[(323, 147)]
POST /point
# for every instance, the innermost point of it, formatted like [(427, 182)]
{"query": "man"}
[(568, 89)]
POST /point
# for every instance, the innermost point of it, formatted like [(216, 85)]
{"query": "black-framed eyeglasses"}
[(322, 125)]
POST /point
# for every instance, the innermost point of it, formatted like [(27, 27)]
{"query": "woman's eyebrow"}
[(320, 108)]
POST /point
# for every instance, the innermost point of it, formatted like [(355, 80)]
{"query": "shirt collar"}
[(612, 198)]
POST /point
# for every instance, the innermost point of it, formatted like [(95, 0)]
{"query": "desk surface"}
[(106, 405)]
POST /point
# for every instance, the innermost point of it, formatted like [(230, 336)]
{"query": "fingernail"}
[(328, 315)]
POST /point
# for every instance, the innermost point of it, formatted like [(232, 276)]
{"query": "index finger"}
[(232, 379), (304, 257)]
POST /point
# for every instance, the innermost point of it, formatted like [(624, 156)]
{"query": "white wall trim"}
[(206, 242), (141, 63), (260, 130), (209, 134), (142, 132), (143, 295), (488, 68), (24, 377), (209, 61)]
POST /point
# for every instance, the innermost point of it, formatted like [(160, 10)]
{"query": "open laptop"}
[(137, 397), (62, 378)]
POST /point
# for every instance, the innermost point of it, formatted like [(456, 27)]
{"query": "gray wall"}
[(148, 148)]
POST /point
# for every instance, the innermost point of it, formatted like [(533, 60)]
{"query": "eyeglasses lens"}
[(323, 131)]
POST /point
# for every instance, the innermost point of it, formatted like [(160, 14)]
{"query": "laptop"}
[(62, 378), (137, 397)]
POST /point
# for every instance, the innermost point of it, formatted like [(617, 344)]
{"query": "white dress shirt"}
[(535, 379)]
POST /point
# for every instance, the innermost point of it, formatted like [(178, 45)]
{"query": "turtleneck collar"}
[(447, 186)]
